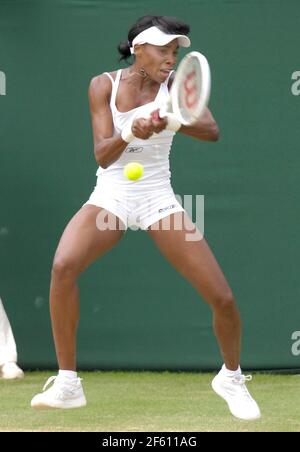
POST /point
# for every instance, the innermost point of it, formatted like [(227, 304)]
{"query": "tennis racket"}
[(190, 90)]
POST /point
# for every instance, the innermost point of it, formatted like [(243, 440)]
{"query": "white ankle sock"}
[(67, 373), (231, 373)]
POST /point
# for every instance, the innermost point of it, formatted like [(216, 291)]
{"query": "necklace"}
[(140, 72)]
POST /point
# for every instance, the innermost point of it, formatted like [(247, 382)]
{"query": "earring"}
[(143, 72)]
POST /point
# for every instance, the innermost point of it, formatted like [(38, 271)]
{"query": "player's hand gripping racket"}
[(189, 93)]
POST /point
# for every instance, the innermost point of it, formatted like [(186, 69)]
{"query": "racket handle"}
[(155, 115), (173, 123)]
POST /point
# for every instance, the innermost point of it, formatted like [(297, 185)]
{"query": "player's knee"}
[(224, 301), (63, 269)]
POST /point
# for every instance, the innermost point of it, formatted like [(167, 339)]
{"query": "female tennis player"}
[(121, 104)]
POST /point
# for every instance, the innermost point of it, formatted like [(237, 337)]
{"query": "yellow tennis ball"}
[(133, 170)]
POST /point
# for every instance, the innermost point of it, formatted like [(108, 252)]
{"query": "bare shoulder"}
[(100, 87), (102, 79), (99, 84)]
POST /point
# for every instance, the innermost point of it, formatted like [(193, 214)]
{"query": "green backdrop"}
[(136, 311)]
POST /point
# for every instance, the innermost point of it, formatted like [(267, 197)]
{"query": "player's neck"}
[(138, 76), (139, 71)]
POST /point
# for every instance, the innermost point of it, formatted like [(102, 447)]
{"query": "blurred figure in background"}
[(8, 350)]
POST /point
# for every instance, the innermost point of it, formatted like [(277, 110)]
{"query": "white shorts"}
[(136, 210)]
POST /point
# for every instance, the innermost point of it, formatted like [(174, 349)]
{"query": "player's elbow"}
[(102, 162), (215, 133), (100, 157)]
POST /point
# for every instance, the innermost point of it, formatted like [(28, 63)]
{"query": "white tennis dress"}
[(139, 203)]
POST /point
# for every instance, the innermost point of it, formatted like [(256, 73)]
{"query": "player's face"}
[(158, 61)]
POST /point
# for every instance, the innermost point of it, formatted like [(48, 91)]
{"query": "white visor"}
[(156, 37)]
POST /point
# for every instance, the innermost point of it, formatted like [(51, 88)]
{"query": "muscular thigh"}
[(83, 241), (192, 258)]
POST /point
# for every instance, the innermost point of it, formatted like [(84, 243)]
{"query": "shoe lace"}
[(53, 379), (241, 380)]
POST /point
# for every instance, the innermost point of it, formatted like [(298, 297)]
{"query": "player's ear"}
[(138, 50)]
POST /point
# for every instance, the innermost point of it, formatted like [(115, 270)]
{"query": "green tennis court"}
[(151, 402)]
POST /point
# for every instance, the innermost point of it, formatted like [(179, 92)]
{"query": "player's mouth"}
[(165, 72)]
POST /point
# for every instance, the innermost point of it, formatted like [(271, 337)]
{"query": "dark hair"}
[(168, 24)]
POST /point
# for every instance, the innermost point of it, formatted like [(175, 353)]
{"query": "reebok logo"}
[(134, 150)]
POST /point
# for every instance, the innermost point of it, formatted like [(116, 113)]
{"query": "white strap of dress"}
[(108, 75), (115, 84)]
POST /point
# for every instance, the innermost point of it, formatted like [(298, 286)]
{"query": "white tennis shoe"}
[(11, 371), (233, 390), (64, 393)]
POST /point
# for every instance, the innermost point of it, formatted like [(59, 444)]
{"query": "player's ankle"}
[(229, 372), (71, 374)]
